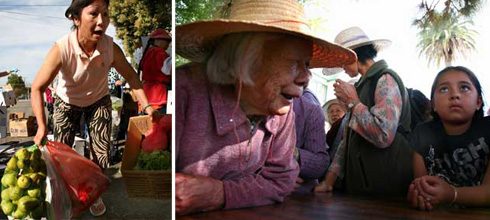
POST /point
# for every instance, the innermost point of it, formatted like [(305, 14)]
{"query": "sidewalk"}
[(119, 205)]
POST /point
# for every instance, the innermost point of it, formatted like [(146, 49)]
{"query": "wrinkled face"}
[(456, 98), (280, 77), (335, 112), (352, 69), (93, 21)]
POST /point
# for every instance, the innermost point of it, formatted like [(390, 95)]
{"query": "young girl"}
[(452, 151)]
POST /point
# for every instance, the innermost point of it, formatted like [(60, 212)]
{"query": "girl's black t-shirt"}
[(461, 160)]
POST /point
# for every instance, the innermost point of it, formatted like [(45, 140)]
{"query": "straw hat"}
[(196, 41), (330, 102), (355, 37)]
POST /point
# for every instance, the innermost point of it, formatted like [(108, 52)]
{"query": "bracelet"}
[(455, 194), (144, 108)]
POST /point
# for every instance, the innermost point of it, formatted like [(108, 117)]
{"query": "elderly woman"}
[(374, 155), (235, 132), (335, 112), (83, 59)]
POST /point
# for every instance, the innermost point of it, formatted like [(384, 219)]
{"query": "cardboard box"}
[(16, 115), (23, 127), (140, 182), (7, 98)]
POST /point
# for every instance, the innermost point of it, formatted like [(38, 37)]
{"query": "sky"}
[(27, 34), (28, 31)]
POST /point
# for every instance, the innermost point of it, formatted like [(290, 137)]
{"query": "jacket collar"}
[(375, 69), (223, 104)]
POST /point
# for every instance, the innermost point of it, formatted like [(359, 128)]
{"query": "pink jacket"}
[(257, 173)]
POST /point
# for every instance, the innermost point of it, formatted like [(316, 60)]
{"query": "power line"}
[(33, 5), (41, 16)]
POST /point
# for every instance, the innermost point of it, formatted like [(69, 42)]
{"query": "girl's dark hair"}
[(76, 8), (478, 113), (367, 52), (148, 44)]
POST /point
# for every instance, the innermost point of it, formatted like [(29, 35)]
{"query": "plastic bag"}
[(157, 137), (84, 180), (56, 193)]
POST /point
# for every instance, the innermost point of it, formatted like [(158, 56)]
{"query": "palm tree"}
[(445, 37)]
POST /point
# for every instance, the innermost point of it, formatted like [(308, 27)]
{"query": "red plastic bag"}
[(85, 181), (157, 137)]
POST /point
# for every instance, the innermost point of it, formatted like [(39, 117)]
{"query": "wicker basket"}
[(141, 183)]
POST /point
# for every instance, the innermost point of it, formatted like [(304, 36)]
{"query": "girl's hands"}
[(427, 191)]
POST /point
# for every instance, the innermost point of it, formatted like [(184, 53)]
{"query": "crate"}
[(140, 183)]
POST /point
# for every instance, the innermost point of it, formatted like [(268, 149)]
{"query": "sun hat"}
[(355, 37), (331, 102), (160, 34), (197, 40)]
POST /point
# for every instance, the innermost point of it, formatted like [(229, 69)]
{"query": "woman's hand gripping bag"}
[(85, 181)]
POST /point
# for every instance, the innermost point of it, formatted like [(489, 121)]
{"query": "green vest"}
[(371, 170)]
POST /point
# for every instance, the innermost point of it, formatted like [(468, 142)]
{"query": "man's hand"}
[(197, 193)]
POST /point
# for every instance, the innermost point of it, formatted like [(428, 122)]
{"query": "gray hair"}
[(236, 56)]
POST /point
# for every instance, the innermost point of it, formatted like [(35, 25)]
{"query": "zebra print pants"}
[(98, 119)]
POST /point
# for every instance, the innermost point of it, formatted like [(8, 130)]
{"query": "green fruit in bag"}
[(9, 179), (7, 207), (36, 178), (27, 204), (12, 164), (22, 154), (34, 192), (24, 182), (15, 193), (22, 164), (19, 214), (36, 154), (35, 165), (5, 194)]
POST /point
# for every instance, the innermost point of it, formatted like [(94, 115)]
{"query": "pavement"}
[(118, 204)]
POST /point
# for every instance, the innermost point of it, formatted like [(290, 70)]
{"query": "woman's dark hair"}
[(148, 44), (478, 113), (367, 52), (76, 8)]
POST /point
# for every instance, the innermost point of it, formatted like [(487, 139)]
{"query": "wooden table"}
[(339, 206)]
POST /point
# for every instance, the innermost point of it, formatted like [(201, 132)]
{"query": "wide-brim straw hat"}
[(197, 40), (354, 37)]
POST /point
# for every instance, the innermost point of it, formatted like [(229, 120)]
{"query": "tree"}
[(136, 18), (17, 84), (446, 34), (187, 11), (446, 39), (463, 8)]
